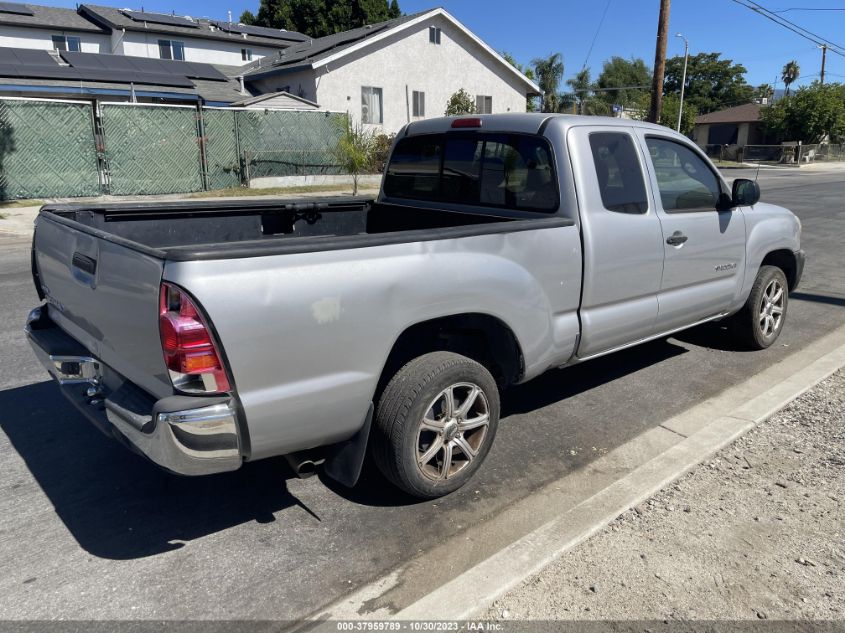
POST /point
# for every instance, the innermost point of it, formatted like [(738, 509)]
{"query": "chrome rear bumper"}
[(187, 435)]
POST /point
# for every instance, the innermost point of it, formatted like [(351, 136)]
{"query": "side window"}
[(685, 181), (618, 171)]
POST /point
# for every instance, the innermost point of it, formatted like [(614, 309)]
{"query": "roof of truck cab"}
[(527, 123)]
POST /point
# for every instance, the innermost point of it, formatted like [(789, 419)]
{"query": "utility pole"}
[(824, 56), (683, 81), (659, 63)]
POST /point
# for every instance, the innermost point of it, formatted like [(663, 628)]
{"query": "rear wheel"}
[(435, 423), (760, 321)]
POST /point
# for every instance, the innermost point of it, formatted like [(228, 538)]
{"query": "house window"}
[(371, 108), (419, 103), (483, 104), (67, 43), (246, 54), (171, 49), (434, 34)]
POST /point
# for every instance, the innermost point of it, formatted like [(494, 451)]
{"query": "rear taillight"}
[(190, 354)]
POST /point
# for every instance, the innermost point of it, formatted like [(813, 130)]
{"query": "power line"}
[(805, 9), (791, 26), (595, 37)]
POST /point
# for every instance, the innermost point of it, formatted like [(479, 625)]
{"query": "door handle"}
[(676, 239)]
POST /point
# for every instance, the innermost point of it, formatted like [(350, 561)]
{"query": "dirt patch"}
[(758, 532)]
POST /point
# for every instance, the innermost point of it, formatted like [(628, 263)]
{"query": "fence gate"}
[(289, 143), (151, 149), (47, 149), (222, 154)]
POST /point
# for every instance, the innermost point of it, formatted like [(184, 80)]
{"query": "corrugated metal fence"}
[(55, 149)]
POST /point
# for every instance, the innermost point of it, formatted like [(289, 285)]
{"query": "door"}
[(623, 253), (703, 242)]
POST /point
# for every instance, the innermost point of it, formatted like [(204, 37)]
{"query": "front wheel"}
[(435, 423), (761, 319)]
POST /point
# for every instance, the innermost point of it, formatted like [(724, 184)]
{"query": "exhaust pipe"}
[(302, 465)]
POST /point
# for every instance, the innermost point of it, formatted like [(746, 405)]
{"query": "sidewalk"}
[(758, 532), (18, 221)]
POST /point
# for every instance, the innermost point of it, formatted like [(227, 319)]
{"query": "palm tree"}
[(581, 87), (549, 73), (791, 72), (765, 91)]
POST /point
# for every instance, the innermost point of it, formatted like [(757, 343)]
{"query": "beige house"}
[(388, 74), (738, 126)]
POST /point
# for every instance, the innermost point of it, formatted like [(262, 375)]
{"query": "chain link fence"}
[(59, 149), (285, 143), (785, 154), (47, 149)]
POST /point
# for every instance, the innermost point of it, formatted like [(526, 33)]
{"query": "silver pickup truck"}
[(206, 334)]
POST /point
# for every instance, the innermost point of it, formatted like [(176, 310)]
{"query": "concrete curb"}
[(578, 505), (472, 592)]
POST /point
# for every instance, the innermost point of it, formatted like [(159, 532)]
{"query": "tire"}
[(761, 319), (420, 443)]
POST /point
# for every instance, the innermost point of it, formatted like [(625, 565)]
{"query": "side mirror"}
[(746, 193)]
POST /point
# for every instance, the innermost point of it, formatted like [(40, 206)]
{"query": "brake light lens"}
[(474, 122), (190, 354)]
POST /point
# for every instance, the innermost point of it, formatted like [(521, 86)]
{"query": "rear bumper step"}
[(188, 435)]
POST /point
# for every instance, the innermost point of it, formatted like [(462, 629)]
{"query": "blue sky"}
[(535, 28)]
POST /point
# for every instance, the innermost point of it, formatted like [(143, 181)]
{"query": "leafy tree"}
[(319, 18), (639, 109), (530, 102), (549, 72), (811, 114), (460, 103), (354, 150), (712, 83), (582, 94), (790, 73), (669, 114), (619, 72)]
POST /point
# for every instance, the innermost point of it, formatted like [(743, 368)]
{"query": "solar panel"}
[(260, 31), (14, 7), (160, 18), (92, 74), (25, 57), (130, 66)]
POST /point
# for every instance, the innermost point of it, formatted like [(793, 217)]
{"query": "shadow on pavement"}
[(805, 296), (116, 504), (119, 506)]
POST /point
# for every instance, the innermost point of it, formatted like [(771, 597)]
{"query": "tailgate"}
[(106, 296)]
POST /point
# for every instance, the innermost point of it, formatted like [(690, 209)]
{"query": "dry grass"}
[(16, 204)]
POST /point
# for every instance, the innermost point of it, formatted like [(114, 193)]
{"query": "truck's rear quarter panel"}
[(307, 335)]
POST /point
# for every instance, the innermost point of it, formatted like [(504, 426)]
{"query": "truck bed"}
[(226, 229)]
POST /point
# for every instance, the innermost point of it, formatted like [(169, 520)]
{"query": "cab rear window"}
[(513, 171)]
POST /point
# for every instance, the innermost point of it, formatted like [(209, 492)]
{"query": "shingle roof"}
[(272, 95), (113, 18), (51, 17), (313, 50), (746, 113)]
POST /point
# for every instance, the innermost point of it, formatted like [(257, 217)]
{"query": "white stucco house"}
[(384, 75), (388, 74)]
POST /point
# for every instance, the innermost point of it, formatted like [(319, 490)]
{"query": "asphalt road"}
[(91, 531)]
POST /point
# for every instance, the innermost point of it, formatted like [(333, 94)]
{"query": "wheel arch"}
[(784, 259), (479, 336)]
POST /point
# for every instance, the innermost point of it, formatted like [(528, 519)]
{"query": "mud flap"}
[(345, 460)]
